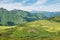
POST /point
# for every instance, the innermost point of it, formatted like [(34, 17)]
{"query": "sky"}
[(31, 5)]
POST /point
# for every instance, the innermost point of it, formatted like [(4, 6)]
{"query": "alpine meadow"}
[(29, 19)]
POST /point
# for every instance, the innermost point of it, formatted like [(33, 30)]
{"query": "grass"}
[(37, 30), (47, 25)]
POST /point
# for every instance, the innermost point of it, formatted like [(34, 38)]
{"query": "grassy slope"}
[(37, 30), (50, 26)]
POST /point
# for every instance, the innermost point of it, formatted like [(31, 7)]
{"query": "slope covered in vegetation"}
[(23, 25), (56, 18), (15, 17), (37, 30)]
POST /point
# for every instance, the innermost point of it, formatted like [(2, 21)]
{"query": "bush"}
[(9, 23)]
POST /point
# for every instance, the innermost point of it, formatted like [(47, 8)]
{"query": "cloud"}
[(15, 6), (49, 2), (27, 5), (24, 2), (28, 2), (40, 2), (10, 1)]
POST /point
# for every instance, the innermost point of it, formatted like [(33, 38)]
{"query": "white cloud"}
[(15, 6), (40, 2), (37, 6), (6, 1)]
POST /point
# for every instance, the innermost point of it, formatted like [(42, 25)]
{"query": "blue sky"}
[(29, 5)]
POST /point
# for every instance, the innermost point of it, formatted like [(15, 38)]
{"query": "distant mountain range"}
[(15, 17), (47, 14)]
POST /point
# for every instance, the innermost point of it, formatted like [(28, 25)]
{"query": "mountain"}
[(23, 25), (47, 14), (15, 17)]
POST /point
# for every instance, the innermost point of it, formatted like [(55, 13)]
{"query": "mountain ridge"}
[(19, 16)]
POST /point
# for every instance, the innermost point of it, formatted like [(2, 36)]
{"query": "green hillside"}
[(23, 25), (36, 30), (56, 18), (15, 17)]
